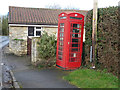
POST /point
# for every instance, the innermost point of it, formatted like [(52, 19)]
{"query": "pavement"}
[(0, 70), (4, 40), (30, 77)]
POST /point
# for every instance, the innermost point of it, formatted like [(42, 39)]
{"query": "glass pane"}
[(38, 33), (80, 26), (61, 34), (73, 55), (61, 29), (75, 35), (79, 35), (38, 27), (60, 57), (60, 53), (76, 25), (61, 43), (74, 45), (61, 39), (74, 40), (61, 24), (72, 60), (60, 48), (75, 49), (75, 30), (30, 31)]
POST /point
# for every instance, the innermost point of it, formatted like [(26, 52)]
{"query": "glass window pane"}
[(75, 35), (60, 57), (61, 34), (30, 31), (74, 49), (60, 48), (60, 53), (79, 35), (72, 60), (74, 45), (61, 43), (38, 27), (61, 29), (75, 30), (61, 39), (61, 24), (76, 25), (74, 40), (38, 33)]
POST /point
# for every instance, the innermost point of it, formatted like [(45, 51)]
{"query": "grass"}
[(89, 78)]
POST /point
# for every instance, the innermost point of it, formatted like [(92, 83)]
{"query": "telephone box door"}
[(75, 44)]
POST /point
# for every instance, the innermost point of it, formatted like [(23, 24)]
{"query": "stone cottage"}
[(25, 23)]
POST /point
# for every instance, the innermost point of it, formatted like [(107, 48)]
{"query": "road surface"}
[(4, 40)]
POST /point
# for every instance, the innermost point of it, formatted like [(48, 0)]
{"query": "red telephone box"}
[(69, 40)]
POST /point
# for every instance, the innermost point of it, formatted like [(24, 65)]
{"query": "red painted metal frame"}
[(67, 45)]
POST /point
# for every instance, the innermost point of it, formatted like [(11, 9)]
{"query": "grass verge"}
[(89, 78)]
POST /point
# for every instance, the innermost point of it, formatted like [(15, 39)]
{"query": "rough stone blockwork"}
[(18, 40)]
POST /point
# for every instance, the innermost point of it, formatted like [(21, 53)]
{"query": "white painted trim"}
[(37, 30), (34, 25)]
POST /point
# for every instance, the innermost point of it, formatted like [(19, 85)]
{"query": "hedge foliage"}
[(107, 41)]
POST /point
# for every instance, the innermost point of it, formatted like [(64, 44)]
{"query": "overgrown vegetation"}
[(88, 78), (0, 26), (107, 41), (5, 25), (47, 50)]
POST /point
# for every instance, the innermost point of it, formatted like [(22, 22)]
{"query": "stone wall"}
[(18, 40), (50, 30)]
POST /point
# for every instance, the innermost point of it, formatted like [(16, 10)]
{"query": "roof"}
[(39, 16)]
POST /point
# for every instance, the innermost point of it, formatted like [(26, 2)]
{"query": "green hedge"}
[(107, 41)]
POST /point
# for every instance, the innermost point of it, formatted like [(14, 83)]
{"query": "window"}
[(30, 31), (38, 27), (38, 33), (34, 31)]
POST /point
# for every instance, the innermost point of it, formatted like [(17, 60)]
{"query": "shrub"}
[(47, 50)]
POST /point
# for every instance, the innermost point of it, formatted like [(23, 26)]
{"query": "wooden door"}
[(29, 42)]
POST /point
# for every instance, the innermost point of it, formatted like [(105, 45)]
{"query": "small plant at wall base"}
[(18, 39), (47, 50)]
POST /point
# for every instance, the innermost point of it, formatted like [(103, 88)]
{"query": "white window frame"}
[(37, 30)]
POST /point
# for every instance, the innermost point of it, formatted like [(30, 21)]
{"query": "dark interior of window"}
[(38, 33), (38, 27), (30, 31)]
